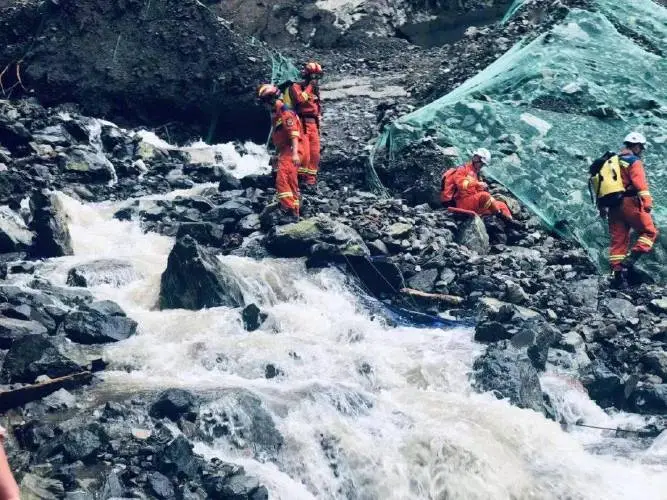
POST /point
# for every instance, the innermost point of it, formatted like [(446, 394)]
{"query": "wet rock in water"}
[(249, 224), (12, 329), (195, 279), (604, 387), (14, 234), (34, 487), (87, 164), (238, 487), (160, 485), (321, 238), (240, 417), (105, 307), (509, 374), (32, 356), (253, 317), (174, 403), (228, 182), (205, 233), (178, 459), (491, 331), (231, 209), (536, 336), (112, 272), (472, 234), (52, 238), (90, 326), (649, 399)]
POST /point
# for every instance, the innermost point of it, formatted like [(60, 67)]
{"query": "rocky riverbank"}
[(536, 300)]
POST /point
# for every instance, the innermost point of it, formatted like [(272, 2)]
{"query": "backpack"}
[(605, 184), (448, 187)]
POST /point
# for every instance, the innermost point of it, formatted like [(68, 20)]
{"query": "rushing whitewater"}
[(366, 411)]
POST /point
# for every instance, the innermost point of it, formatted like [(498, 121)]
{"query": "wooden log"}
[(437, 297), (33, 392)]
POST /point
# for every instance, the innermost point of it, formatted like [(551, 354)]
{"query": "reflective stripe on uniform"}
[(285, 194), (305, 96), (646, 241), (295, 133), (617, 257), (644, 193), (488, 203)]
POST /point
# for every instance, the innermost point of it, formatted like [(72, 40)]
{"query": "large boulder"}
[(32, 356), (472, 234), (320, 238), (14, 234), (12, 329), (90, 326), (650, 399), (49, 222), (85, 164), (174, 403), (172, 59), (112, 272), (195, 279), (508, 373)]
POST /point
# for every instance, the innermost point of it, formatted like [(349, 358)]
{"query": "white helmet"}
[(484, 155), (635, 138)]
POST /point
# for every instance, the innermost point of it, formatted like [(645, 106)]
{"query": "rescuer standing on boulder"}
[(462, 187), (621, 190), (286, 132), (304, 97)]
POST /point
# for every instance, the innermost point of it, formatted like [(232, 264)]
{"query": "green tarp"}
[(548, 107)]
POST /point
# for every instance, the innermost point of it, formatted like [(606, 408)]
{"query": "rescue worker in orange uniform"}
[(304, 97), (633, 213), (286, 133), (472, 194)]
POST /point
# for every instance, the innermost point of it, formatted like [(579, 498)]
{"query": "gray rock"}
[(252, 317), (657, 362), (228, 182), (105, 307), (584, 293), (335, 240), (472, 234), (92, 327), (514, 293), (650, 399), (34, 487), (87, 164), (240, 417), (52, 238), (205, 233), (572, 342), (231, 209), (195, 279), (179, 459), (623, 309), (424, 280), (59, 400), (377, 247), (14, 234), (400, 230), (494, 305), (238, 487), (509, 374), (249, 224), (604, 387), (112, 489), (659, 305), (161, 485), (174, 403), (32, 356), (447, 276), (112, 272), (12, 329)]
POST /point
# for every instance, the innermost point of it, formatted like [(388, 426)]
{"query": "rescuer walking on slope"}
[(620, 186), (304, 97), (286, 132), (461, 185)]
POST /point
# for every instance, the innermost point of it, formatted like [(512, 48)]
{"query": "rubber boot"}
[(619, 279)]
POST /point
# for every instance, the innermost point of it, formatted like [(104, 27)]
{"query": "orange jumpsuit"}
[(632, 213), (470, 195), (286, 126), (307, 104)]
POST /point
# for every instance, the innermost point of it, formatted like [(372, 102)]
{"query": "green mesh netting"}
[(282, 69), (548, 107), (513, 9)]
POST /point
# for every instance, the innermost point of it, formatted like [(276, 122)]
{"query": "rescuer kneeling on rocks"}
[(618, 181), (462, 187), (286, 134)]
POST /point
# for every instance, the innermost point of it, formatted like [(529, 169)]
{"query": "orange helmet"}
[(312, 68), (267, 90)]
